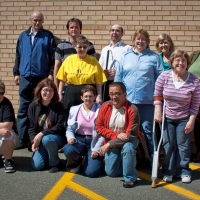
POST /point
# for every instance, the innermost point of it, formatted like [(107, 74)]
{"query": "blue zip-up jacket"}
[(37, 59), (139, 72)]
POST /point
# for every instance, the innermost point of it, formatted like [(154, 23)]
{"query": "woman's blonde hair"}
[(162, 37)]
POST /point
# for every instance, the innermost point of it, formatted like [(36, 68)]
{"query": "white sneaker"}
[(186, 179), (167, 178)]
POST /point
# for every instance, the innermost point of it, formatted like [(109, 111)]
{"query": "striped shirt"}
[(180, 102), (66, 48)]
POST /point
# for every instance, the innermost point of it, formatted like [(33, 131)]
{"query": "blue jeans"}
[(26, 89), (176, 146), (47, 154), (122, 161), (146, 124), (92, 166)]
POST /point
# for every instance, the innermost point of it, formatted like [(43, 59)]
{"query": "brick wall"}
[(180, 19)]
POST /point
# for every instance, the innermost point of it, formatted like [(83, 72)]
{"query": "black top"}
[(56, 120), (7, 113)]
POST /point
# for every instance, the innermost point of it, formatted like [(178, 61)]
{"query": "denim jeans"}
[(92, 166), (146, 124), (176, 146), (122, 161), (26, 88), (47, 154)]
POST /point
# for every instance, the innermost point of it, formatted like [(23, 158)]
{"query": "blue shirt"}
[(139, 72)]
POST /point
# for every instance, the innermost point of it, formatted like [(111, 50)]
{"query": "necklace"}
[(179, 79)]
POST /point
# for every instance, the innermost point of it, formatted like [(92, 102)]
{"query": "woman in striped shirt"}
[(181, 92)]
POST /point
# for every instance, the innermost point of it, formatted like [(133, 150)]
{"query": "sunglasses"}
[(82, 47), (2, 93)]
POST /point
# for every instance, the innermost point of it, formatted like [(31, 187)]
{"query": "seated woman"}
[(81, 136), (8, 138), (46, 126)]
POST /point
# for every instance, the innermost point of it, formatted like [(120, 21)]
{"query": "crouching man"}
[(118, 123)]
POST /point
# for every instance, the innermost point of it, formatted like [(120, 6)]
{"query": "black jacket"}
[(56, 115)]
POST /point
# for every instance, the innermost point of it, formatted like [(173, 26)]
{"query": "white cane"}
[(156, 150), (104, 85)]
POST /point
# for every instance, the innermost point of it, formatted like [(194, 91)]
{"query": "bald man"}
[(113, 53), (34, 62)]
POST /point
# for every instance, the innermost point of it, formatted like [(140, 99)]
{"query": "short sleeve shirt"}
[(7, 112), (81, 71)]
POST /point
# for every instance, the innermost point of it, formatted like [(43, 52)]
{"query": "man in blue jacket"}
[(34, 62)]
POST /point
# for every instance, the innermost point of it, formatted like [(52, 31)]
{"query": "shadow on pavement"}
[(22, 163)]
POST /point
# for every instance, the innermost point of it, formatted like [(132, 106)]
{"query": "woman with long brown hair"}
[(46, 126)]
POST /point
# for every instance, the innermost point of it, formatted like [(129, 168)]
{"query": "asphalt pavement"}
[(26, 184)]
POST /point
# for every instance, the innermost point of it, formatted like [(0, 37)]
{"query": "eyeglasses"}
[(117, 94), (180, 60), (140, 39), (2, 93), (88, 96), (82, 47), (47, 91)]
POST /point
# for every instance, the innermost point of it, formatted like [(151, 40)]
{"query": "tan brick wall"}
[(180, 19)]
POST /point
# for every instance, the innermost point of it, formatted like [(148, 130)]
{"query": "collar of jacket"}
[(29, 30)]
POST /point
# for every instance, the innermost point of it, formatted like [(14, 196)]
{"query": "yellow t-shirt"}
[(78, 71)]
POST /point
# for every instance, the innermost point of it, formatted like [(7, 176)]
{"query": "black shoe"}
[(129, 184), (54, 169), (9, 166)]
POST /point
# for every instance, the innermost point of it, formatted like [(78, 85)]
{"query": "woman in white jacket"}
[(83, 140)]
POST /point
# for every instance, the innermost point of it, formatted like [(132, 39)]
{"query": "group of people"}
[(62, 88)]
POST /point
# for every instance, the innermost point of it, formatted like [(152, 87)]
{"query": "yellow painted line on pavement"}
[(66, 181), (172, 187), (84, 191), (59, 187), (195, 167)]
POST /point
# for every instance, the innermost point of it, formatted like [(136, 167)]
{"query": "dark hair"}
[(87, 88), (2, 85), (47, 82), (81, 39), (142, 32), (74, 20), (162, 37), (118, 84), (179, 53)]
